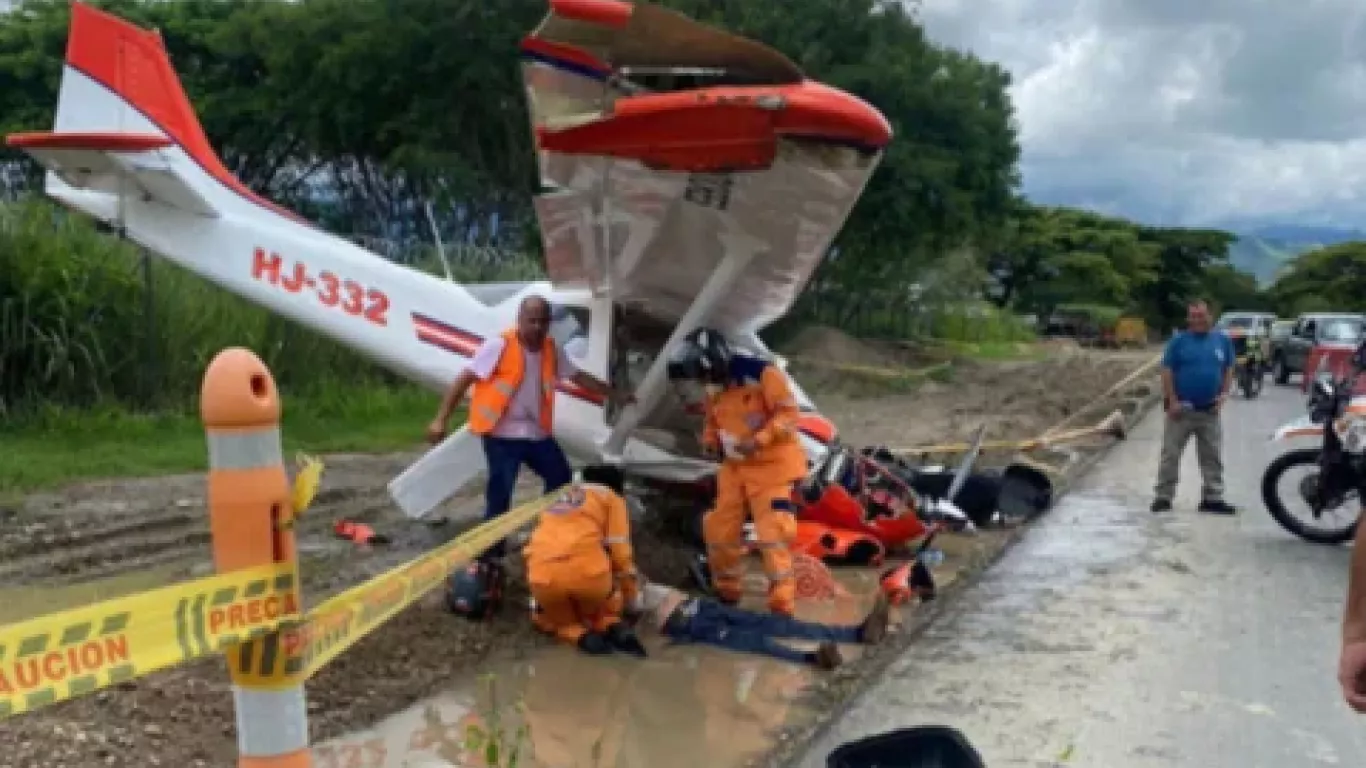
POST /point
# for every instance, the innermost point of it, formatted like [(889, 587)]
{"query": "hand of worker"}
[(1174, 409), (625, 397), (436, 431), (1352, 674), (1219, 402), (746, 447)]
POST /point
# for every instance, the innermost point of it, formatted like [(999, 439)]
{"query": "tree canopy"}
[(359, 113), (1331, 279)]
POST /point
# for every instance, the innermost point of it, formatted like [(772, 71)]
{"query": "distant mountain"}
[(1263, 252)]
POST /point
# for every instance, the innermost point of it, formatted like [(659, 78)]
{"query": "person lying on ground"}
[(580, 565), (687, 619)]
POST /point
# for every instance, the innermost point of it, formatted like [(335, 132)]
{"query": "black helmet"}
[(475, 590), (704, 355)]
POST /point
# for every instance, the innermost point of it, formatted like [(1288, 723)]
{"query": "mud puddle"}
[(684, 706), (19, 603)]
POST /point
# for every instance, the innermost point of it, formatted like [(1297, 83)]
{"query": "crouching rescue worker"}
[(580, 566), (751, 416), (686, 619)]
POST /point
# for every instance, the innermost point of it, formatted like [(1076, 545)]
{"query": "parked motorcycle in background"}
[(1335, 470)]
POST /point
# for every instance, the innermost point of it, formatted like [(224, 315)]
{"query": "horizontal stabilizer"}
[(116, 164), (441, 473)]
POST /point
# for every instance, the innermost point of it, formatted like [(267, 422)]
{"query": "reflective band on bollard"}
[(271, 723)]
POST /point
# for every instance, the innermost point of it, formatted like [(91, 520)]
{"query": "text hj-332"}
[(331, 290)]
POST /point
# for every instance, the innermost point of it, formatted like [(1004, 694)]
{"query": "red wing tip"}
[(608, 13), (101, 142)]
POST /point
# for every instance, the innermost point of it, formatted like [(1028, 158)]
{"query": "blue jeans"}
[(736, 629), (505, 458)]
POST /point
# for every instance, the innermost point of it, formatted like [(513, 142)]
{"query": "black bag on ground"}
[(926, 746)]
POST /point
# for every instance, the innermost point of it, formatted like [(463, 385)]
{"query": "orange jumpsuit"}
[(757, 405), (579, 562)]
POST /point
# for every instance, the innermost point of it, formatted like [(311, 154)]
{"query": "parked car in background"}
[(1314, 330)]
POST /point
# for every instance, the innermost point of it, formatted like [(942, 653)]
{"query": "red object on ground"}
[(850, 546), (359, 533), (836, 508)]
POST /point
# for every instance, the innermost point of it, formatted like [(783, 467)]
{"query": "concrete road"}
[(1114, 638)]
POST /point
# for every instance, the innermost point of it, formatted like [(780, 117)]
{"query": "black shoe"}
[(621, 638), (826, 656), (1160, 505), (594, 644), (874, 627), (1217, 507)]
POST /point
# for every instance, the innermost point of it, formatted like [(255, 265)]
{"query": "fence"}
[(252, 611)]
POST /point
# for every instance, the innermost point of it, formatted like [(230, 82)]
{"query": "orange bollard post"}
[(248, 499)]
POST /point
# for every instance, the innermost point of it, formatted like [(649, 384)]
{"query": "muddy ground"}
[(100, 539)]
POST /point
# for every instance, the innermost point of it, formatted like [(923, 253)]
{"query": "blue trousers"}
[(505, 459), (736, 629)]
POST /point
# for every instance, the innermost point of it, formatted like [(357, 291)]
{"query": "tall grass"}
[(80, 329)]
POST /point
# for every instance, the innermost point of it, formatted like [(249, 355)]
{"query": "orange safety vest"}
[(491, 397)]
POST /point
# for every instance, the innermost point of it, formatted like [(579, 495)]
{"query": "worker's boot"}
[(826, 656), (623, 639), (594, 644)]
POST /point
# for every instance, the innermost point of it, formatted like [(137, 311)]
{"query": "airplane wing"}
[(663, 141), (693, 177)]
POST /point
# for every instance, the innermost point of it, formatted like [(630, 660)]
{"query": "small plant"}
[(490, 739)]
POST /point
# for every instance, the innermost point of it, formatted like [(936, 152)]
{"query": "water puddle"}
[(683, 707), (18, 603)]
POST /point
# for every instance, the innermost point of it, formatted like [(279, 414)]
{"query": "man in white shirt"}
[(514, 375)]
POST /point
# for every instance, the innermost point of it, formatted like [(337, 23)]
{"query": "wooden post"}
[(249, 500)]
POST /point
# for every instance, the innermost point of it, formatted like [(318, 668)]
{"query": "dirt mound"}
[(1014, 399), (823, 344)]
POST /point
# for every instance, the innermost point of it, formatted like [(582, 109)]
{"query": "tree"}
[(1325, 279), (1183, 256)]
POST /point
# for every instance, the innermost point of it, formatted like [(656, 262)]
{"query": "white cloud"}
[(1191, 112)]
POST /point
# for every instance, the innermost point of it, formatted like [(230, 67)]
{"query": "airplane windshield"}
[(569, 332)]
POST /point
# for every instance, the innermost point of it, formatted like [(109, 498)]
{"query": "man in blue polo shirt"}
[(1197, 374)]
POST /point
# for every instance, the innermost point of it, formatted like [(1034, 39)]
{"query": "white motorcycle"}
[(1337, 467)]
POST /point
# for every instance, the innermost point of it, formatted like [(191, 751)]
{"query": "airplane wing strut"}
[(740, 250)]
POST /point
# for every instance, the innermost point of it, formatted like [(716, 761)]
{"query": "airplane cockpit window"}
[(569, 331)]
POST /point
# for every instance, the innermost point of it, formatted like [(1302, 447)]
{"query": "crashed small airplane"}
[(692, 178)]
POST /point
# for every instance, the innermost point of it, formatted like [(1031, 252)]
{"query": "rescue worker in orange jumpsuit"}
[(581, 568), (514, 376), (751, 417)]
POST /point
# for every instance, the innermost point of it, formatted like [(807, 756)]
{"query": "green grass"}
[(60, 446)]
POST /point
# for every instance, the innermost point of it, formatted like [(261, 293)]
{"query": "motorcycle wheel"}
[(1281, 372), (1274, 505)]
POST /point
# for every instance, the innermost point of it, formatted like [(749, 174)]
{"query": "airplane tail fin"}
[(124, 125)]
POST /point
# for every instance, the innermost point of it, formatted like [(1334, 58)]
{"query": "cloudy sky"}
[(1182, 112)]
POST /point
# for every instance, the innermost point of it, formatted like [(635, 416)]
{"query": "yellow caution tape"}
[(286, 657), (73, 653)]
